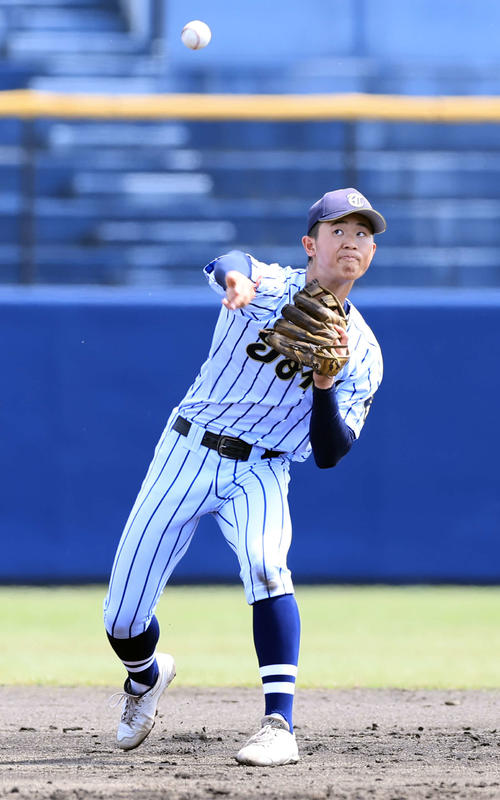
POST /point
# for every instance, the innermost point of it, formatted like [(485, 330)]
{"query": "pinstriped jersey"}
[(248, 390)]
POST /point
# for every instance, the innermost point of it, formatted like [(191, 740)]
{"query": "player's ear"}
[(374, 247), (309, 245)]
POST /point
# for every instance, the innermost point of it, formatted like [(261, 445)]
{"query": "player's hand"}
[(240, 290), (323, 381)]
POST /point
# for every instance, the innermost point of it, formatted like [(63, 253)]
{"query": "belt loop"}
[(193, 439)]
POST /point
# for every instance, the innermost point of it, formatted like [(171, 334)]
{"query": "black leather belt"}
[(226, 446)]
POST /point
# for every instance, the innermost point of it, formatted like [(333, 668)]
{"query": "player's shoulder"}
[(358, 323), (287, 274), (366, 351), (366, 365)]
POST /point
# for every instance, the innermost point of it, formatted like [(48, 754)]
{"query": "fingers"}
[(342, 347), (240, 290), (230, 303), (231, 279), (231, 291), (343, 335), (235, 299)]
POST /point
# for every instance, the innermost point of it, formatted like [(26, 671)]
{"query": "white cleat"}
[(272, 746), (139, 711)]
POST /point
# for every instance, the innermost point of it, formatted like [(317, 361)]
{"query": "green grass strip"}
[(405, 637)]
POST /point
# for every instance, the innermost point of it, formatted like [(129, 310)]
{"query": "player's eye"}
[(361, 233), (337, 231)]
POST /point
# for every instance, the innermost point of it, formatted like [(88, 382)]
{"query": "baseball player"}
[(226, 451)]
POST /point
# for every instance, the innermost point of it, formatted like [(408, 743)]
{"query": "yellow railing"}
[(26, 103)]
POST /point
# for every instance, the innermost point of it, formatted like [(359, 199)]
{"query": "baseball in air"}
[(196, 34)]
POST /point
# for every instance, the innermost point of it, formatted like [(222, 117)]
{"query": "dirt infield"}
[(354, 745)]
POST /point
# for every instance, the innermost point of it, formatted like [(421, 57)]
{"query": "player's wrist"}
[(323, 381)]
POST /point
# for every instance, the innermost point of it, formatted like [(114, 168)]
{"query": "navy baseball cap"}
[(340, 203)]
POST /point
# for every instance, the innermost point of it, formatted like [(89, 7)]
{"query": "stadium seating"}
[(135, 202)]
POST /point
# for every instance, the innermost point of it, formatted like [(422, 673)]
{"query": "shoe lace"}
[(266, 733), (130, 704)]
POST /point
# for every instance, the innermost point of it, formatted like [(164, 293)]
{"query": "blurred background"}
[(105, 225)]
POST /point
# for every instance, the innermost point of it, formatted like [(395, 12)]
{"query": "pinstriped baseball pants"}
[(185, 481)]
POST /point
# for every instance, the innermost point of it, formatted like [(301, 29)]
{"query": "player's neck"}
[(341, 291)]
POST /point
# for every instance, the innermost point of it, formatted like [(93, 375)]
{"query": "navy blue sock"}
[(276, 635), (138, 654)]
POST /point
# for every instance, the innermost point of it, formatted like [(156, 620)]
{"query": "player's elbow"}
[(328, 457), (327, 462)]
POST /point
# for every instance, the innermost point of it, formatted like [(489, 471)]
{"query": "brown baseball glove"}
[(306, 334)]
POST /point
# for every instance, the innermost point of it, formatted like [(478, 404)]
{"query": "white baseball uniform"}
[(248, 391)]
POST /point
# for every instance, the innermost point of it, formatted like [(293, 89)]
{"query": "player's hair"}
[(314, 230)]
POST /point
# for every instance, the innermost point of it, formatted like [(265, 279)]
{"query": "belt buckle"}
[(231, 447)]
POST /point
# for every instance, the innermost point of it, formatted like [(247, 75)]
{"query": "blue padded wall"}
[(89, 379)]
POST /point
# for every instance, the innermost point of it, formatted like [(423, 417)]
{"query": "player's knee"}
[(261, 583), (122, 620), (268, 579), (116, 625), (109, 620), (122, 628)]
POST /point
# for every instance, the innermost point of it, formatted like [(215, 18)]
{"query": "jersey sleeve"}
[(355, 391), (273, 284)]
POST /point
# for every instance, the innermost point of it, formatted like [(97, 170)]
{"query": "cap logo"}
[(356, 200)]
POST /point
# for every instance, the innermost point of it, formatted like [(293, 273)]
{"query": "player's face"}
[(341, 252)]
